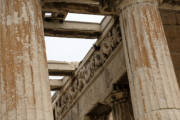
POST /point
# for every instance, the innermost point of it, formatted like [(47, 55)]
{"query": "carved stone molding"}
[(85, 74)]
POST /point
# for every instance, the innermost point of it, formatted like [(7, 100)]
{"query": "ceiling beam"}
[(105, 22), (56, 84), (72, 29), (170, 6), (73, 1), (61, 68), (75, 6), (92, 6)]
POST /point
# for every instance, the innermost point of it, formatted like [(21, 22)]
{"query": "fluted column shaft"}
[(24, 86), (154, 88), (122, 110)]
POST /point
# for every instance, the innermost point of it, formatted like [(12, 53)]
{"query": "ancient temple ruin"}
[(131, 73)]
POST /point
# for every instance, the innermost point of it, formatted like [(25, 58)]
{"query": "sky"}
[(67, 49), (71, 49)]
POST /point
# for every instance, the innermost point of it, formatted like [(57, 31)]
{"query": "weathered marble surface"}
[(24, 85), (154, 87)]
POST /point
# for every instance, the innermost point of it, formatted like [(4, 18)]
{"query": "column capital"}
[(125, 3), (119, 96), (118, 5)]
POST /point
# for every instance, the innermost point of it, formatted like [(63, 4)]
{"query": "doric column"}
[(24, 86), (120, 101), (122, 109), (154, 88), (121, 106)]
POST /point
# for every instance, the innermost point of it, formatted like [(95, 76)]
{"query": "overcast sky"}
[(71, 49), (67, 49)]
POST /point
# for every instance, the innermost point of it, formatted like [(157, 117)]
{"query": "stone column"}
[(24, 85), (121, 106), (122, 110), (154, 88)]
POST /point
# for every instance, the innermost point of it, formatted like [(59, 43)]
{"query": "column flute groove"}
[(24, 85), (154, 88)]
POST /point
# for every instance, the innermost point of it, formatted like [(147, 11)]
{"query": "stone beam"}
[(106, 26), (61, 68), (73, 1), (168, 6), (62, 7), (56, 84), (74, 6), (105, 22), (72, 29)]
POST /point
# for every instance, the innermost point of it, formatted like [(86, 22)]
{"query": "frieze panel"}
[(84, 75)]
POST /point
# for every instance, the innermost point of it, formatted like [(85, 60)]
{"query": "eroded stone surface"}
[(24, 85), (154, 88)]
